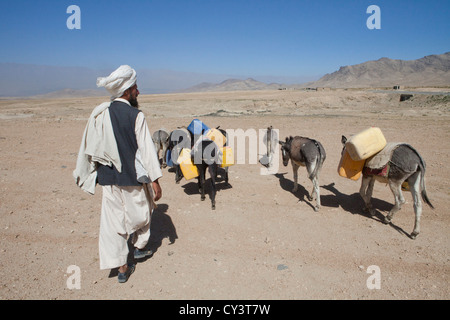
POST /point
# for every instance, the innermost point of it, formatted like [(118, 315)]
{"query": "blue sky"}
[(242, 37)]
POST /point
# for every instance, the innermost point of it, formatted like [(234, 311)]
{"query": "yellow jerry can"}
[(227, 157), (365, 144), (188, 168), (216, 136), (349, 168)]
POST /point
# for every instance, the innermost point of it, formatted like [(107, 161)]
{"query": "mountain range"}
[(23, 80), (432, 70)]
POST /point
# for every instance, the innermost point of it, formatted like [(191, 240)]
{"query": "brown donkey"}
[(305, 152)]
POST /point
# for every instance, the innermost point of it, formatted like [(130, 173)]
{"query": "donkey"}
[(194, 139), (305, 152), (205, 155), (179, 138), (404, 164), (161, 141)]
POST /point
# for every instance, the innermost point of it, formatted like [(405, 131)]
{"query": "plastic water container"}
[(227, 157), (197, 127), (188, 168), (169, 161), (349, 168), (365, 144), (216, 136)]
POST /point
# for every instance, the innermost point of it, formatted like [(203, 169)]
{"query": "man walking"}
[(115, 134)]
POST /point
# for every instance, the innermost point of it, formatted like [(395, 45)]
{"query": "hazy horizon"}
[(23, 80)]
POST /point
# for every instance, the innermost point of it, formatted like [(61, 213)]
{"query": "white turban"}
[(118, 81)]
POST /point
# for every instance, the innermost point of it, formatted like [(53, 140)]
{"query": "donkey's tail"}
[(422, 183), (319, 160)]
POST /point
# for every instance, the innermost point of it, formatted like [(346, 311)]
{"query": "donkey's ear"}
[(343, 139), (281, 142)]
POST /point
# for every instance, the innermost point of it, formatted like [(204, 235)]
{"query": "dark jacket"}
[(123, 120)]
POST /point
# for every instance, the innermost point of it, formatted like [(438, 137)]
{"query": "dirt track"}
[(262, 241)]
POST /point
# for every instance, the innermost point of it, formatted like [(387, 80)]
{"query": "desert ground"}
[(263, 242)]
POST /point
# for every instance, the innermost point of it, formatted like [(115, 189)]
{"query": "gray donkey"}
[(403, 163), (161, 141), (305, 152)]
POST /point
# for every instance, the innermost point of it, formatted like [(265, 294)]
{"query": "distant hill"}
[(432, 70), (233, 85)]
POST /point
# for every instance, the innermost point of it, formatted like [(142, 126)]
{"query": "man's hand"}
[(156, 190)]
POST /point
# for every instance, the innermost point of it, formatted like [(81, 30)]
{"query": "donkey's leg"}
[(156, 144), (369, 193), (414, 185), (164, 151), (396, 188), (226, 175), (295, 170), (213, 172), (366, 191), (316, 192), (178, 174), (201, 181)]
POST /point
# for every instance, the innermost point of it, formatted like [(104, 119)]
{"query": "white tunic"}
[(125, 210)]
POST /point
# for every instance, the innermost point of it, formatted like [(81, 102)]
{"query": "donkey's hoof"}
[(203, 198), (414, 235), (370, 211), (316, 209), (387, 220)]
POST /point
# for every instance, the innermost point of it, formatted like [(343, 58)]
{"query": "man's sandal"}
[(123, 276), (141, 253)]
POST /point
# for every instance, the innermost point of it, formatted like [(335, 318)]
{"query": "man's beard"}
[(134, 102)]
